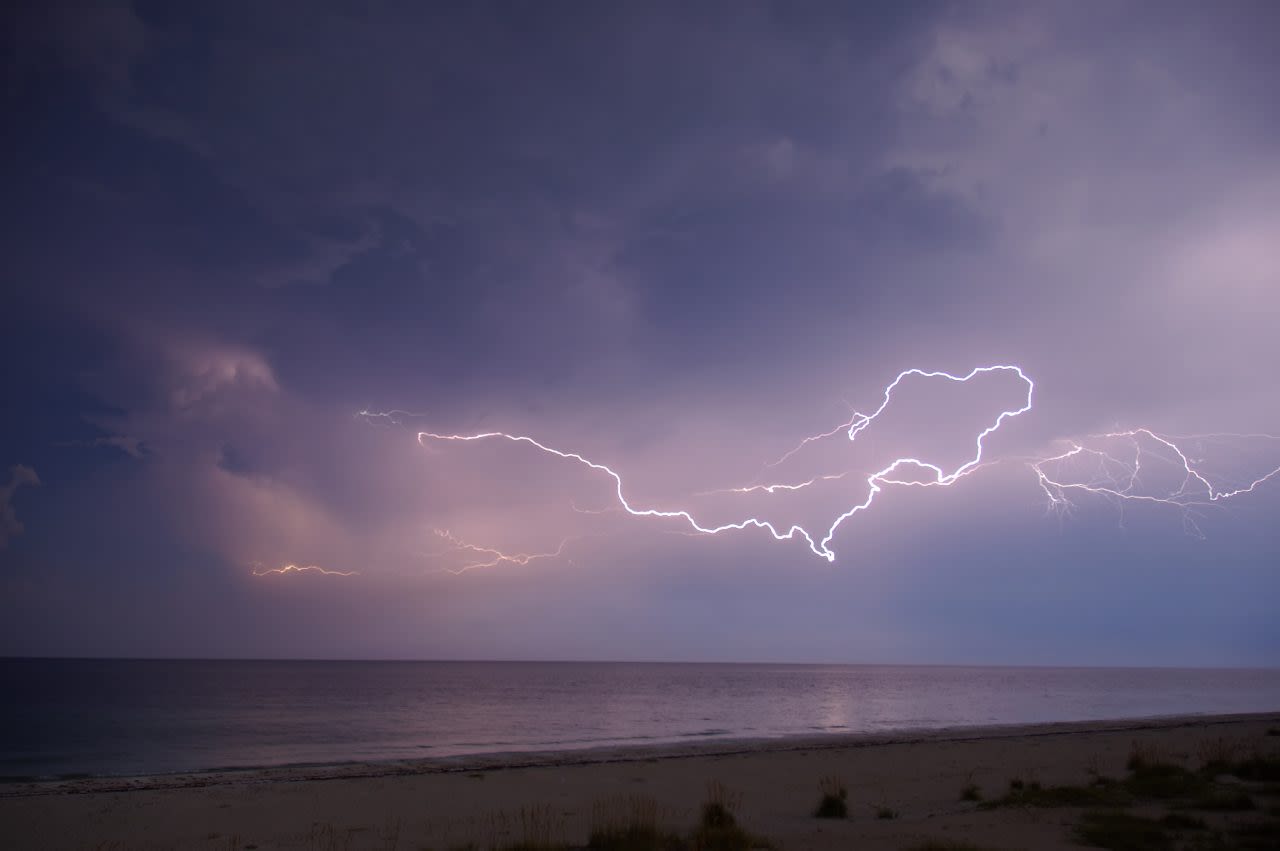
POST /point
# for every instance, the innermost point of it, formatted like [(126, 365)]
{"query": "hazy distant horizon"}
[(792, 663)]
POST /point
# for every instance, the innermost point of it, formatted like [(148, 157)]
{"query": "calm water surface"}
[(72, 717)]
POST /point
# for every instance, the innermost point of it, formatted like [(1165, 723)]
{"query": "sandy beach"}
[(902, 791)]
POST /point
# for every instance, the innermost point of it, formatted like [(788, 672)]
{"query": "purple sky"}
[(675, 239)]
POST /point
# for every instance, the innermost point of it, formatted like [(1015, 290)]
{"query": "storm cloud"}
[(675, 239)]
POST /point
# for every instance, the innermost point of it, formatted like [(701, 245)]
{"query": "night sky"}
[(251, 250)]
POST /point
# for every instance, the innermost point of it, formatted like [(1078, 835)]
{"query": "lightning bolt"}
[(496, 557), (1195, 489), (294, 568), (876, 481), (1110, 473)]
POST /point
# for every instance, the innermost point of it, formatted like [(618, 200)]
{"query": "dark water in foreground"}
[(71, 717)]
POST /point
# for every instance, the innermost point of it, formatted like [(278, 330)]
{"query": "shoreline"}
[(995, 787), (607, 754)]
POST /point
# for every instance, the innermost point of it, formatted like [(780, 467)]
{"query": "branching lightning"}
[(875, 481), (1112, 465), (1120, 478)]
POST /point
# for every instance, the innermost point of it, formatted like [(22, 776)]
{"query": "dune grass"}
[(630, 824), (835, 797)]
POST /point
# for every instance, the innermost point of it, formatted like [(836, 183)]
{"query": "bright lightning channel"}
[(875, 481)]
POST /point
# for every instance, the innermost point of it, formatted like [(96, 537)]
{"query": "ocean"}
[(81, 717)]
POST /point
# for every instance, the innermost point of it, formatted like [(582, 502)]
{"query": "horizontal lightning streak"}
[(499, 557), (308, 568), (875, 481)]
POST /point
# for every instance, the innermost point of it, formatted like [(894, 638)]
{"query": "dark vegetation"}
[(630, 824), (835, 799), (1122, 831), (633, 824), (1099, 793), (1230, 780), (1226, 782)]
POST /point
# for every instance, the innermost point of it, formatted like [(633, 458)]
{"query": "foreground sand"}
[(443, 805)]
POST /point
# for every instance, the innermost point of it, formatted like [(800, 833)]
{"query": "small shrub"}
[(971, 792), (1273, 731), (1257, 836), (1262, 769), (718, 829), (1163, 780), (1217, 800), (1182, 821), (717, 810), (835, 796)]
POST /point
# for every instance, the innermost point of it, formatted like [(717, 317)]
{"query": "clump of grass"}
[(884, 812), (1214, 754), (718, 829), (629, 824), (1143, 755), (718, 809), (971, 792), (1122, 831), (538, 827), (835, 798)]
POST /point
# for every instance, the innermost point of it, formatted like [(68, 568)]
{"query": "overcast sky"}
[(675, 239)]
